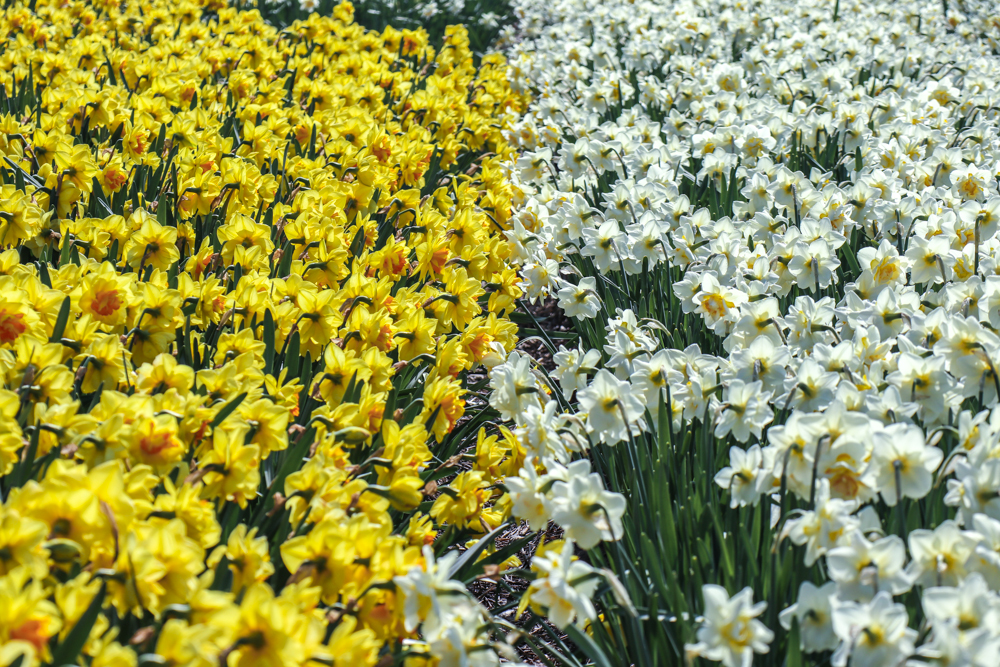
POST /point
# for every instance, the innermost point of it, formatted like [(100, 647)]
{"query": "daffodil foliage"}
[(248, 277), (774, 228), (488, 22)]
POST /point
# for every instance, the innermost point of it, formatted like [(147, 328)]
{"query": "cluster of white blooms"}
[(818, 197), (454, 626), (551, 487), (567, 493)]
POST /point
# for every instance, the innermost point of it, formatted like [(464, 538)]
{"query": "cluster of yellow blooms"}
[(246, 272)]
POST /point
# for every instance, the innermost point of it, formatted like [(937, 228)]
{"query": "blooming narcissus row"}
[(778, 223), (246, 273)]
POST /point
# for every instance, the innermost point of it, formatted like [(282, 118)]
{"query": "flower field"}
[(243, 287), (775, 229), (587, 333)]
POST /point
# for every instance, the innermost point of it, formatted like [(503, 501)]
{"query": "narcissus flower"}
[(873, 633), (564, 587), (443, 406), (730, 631)]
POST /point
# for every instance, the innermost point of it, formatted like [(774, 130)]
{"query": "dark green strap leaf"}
[(67, 652), (468, 558), (61, 320), (228, 409), (587, 645)]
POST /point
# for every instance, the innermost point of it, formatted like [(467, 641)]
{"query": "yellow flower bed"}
[(245, 274)]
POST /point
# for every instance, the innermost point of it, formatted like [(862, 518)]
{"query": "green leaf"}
[(43, 273), (161, 139), (587, 645), (61, 320), (468, 558), (294, 456), (112, 141), (285, 265), (161, 212), (852, 262), (268, 342), (793, 658), (667, 592), (95, 398), (228, 409), (23, 472), (507, 551), (306, 372), (111, 70), (312, 143), (292, 358), (64, 251), (67, 652), (113, 251)]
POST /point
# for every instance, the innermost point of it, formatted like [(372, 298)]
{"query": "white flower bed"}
[(778, 223)]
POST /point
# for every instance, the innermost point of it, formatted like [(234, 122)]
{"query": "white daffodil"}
[(745, 410), (462, 641), (540, 278), (763, 360), (428, 590), (747, 476), (814, 613), (564, 587), (572, 368), (902, 464), (730, 632), (985, 558), (862, 568), (528, 493), (939, 556), (823, 528), (539, 433), (604, 245), (514, 386), (611, 406), (650, 379), (580, 300), (975, 489), (872, 634), (971, 606), (971, 182), (813, 265), (584, 509), (719, 305)]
